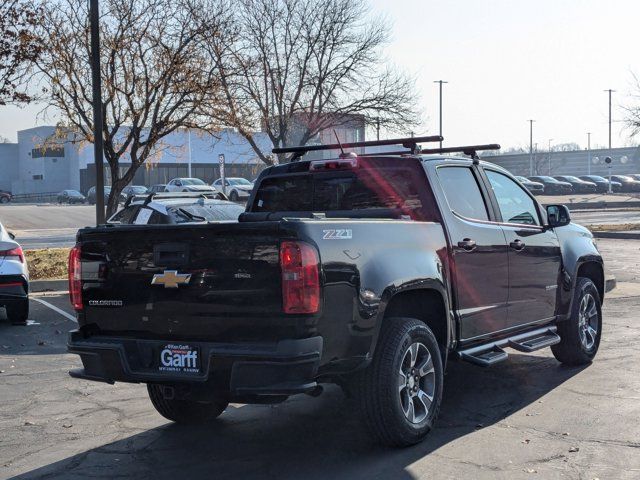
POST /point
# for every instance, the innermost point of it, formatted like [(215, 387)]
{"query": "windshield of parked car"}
[(546, 179), (571, 179), (138, 189), (192, 181), (73, 193), (239, 181), (595, 178), (209, 212)]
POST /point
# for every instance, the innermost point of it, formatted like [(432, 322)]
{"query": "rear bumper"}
[(285, 367), (13, 289)]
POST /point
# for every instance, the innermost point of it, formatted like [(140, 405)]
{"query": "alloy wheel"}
[(416, 382), (588, 321)]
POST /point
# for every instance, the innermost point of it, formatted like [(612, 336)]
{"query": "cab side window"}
[(463, 193), (516, 206)]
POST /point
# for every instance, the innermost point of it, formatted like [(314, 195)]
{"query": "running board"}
[(491, 353)]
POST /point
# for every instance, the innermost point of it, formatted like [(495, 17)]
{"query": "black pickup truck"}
[(368, 271)]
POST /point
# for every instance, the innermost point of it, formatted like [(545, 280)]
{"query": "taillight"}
[(75, 278), (14, 252), (300, 277)]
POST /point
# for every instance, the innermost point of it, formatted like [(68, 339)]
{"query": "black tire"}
[(4, 199), (234, 196), (182, 410), (377, 387), (576, 348), (18, 313)]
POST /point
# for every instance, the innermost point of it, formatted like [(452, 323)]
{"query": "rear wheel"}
[(580, 333), (4, 199), (401, 391), (182, 410), (18, 313), (234, 196)]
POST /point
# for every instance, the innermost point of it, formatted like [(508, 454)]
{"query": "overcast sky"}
[(507, 61)]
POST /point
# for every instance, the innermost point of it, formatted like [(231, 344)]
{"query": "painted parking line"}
[(56, 309)]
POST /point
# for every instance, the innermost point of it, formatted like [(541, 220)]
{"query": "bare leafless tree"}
[(308, 65), (19, 45), (155, 78), (632, 109)]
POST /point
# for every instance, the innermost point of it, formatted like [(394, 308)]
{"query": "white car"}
[(188, 185), (236, 188), (14, 279)]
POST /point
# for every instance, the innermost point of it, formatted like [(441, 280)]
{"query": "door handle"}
[(517, 244), (467, 244)]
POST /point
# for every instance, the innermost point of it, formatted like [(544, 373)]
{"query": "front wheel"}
[(181, 410), (580, 333), (401, 391), (234, 196)]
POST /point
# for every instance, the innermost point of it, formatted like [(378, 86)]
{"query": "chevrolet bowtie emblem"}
[(170, 279)]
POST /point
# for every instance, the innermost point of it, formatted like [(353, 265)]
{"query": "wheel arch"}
[(595, 272), (428, 305)]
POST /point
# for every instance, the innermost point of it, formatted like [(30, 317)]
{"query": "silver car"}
[(14, 279)]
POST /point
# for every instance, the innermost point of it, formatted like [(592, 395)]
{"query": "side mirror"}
[(558, 216), (11, 235)]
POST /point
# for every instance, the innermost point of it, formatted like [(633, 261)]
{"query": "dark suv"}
[(553, 186), (579, 186)]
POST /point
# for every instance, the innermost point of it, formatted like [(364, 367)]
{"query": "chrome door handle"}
[(517, 244), (467, 244)]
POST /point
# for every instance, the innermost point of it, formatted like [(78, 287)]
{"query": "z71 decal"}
[(338, 234)]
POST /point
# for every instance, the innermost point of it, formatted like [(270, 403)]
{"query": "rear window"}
[(375, 184)]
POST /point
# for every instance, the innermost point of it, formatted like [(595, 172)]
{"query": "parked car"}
[(536, 188), (71, 196), (553, 186), (161, 187), (635, 176), (172, 210), (339, 271), (91, 195), (188, 185), (602, 184), (132, 190), (14, 279), (579, 185), (236, 188), (629, 184), (5, 197)]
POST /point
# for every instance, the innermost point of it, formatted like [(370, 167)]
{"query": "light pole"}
[(440, 82), (530, 147), (610, 92), (189, 141), (550, 156), (98, 147), (588, 153)]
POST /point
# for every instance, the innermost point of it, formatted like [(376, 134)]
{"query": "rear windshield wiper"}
[(191, 215)]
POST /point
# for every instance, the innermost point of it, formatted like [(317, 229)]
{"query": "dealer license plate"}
[(179, 358)]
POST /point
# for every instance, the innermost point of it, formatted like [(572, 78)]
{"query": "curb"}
[(618, 235), (48, 285), (601, 205)]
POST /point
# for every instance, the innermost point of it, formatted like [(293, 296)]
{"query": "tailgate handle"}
[(171, 254)]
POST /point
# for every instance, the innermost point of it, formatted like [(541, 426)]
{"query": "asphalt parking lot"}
[(525, 418)]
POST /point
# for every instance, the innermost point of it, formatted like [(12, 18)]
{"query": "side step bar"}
[(491, 353)]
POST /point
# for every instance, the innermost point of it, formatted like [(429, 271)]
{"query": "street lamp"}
[(530, 146), (550, 156), (98, 148), (588, 153), (610, 92)]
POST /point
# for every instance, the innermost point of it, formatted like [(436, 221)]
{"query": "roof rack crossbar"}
[(465, 149), (409, 142)]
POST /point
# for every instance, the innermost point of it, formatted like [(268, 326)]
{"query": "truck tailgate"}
[(215, 281)]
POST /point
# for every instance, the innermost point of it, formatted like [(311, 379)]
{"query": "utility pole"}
[(588, 153), (440, 82), (550, 156), (98, 147), (189, 141), (377, 128), (530, 146), (610, 92)]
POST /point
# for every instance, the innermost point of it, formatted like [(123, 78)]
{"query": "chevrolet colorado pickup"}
[(369, 271)]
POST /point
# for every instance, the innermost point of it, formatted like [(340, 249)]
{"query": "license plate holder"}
[(179, 358)]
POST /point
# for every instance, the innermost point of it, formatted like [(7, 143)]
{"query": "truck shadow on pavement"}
[(313, 438)]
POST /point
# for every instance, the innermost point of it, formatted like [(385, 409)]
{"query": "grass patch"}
[(47, 263), (616, 227)]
